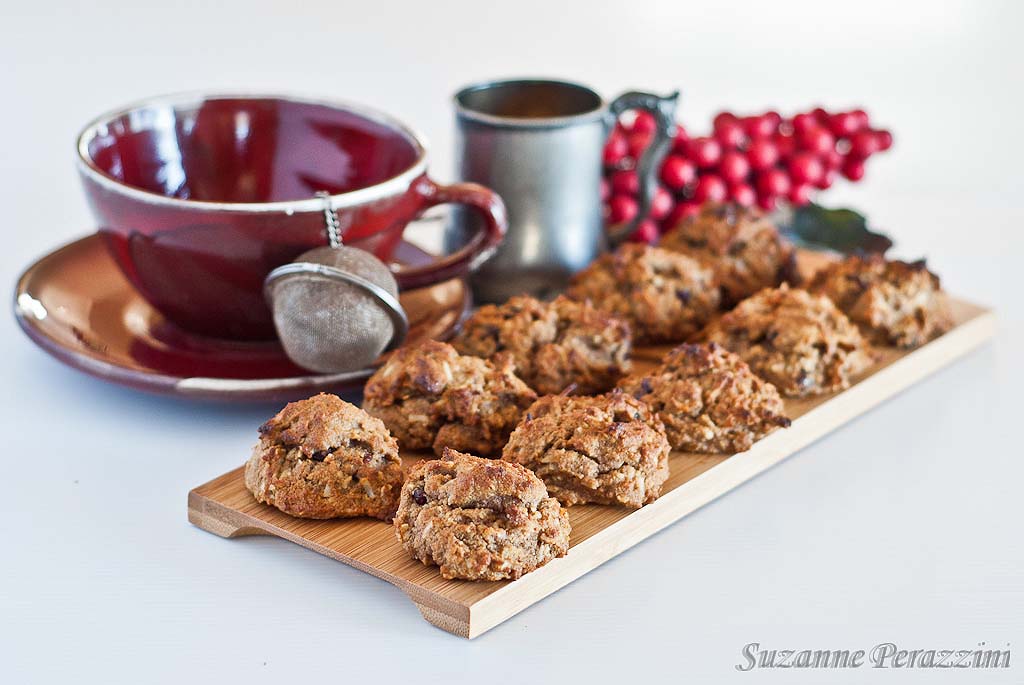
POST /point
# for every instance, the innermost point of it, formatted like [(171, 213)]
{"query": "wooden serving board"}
[(223, 506)]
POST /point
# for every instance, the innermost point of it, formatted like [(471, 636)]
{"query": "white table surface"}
[(903, 526)]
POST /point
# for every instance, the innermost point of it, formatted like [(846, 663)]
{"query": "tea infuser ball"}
[(336, 307)]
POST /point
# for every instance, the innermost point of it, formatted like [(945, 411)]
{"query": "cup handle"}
[(479, 248), (664, 110)]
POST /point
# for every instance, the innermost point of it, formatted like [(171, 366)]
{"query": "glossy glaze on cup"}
[(199, 198)]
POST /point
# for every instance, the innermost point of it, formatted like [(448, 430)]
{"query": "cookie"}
[(607, 449), (709, 400), (479, 519), (431, 397), (553, 344), (894, 303), (665, 296), (741, 245), (799, 342), (324, 458)]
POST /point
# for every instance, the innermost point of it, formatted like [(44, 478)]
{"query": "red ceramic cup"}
[(200, 197)]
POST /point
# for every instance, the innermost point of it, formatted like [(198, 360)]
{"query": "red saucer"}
[(77, 305)]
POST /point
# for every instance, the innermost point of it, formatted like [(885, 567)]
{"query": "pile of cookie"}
[(533, 407)]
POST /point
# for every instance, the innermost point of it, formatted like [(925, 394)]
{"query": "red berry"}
[(883, 139), (863, 144), (853, 168), (772, 182), (803, 122), (643, 122), (661, 203), (625, 182), (800, 194), (734, 167), (615, 149), (743, 194), (681, 211), (827, 179), (843, 124), (786, 145), (758, 127), (820, 115), (723, 117), (710, 188), (705, 152), (766, 202), (606, 190), (621, 208), (832, 159), (861, 117), (646, 232), (730, 134), (774, 117), (805, 167), (638, 142), (677, 171), (762, 154), (816, 140)]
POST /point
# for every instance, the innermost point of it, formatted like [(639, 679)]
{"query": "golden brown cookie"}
[(324, 458), (431, 397), (740, 244), (608, 449), (801, 343), (553, 344), (665, 296), (894, 303), (709, 400), (479, 519)]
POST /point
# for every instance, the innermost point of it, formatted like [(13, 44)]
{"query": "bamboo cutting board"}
[(224, 507)]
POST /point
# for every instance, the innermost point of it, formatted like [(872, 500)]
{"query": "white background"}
[(903, 526)]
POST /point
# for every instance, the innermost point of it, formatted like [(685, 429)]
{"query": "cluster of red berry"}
[(749, 160)]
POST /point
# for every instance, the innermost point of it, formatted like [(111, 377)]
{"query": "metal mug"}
[(538, 144)]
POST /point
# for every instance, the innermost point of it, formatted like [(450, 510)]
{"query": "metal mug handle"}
[(664, 110)]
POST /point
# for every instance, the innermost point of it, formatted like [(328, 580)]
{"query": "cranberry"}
[(853, 168), (680, 140), (820, 115), (710, 188), (758, 127), (832, 159), (826, 180), (772, 182), (774, 117), (646, 232), (643, 122), (800, 194), (625, 182), (767, 202), (762, 154), (705, 152), (606, 190), (816, 140), (843, 124), (677, 171), (803, 122), (615, 149), (723, 117), (638, 142), (862, 118), (621, 208), (883, 139), (786, 145), (805, 167), (734, 167), (730, 134), (661, 203), (863, 144), (682, 211), (743, 194)]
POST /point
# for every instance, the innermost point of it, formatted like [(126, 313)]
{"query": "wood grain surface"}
[(224, 507)]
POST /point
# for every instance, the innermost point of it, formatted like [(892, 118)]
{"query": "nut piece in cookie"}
[(709, 400), (894, 303), (608, 449), (799, 342), (740, 244), (431, 397), (553, 344), (324, 458), (665, 296), (479, 519)]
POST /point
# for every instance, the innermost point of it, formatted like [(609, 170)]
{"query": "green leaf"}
[(841, 230)]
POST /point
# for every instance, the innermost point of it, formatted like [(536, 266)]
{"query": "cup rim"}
[(469, 114), (395, 185)]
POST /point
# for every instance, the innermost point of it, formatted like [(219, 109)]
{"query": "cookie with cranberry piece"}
[(479, 519), (607, 449), (740, 244), (709, 400), (894, 303), (665, 296), (799, 342), (324, 458), (553, 344), (432, 397)]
